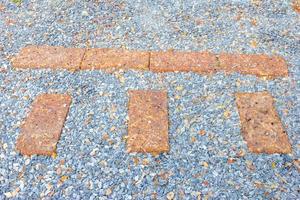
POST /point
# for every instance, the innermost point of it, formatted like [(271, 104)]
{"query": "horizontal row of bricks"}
[(148, 123), (73, 59)]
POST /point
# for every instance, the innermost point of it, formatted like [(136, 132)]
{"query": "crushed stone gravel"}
[(91, 161)]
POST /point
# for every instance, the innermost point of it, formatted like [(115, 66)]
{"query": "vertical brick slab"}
[(42, 127), (170, 61), (256, 64), (115, 58), (296, 5), (148, 122), (261, 125), (49, 57)]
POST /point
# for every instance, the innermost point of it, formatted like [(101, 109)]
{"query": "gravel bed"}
[(90, 166)]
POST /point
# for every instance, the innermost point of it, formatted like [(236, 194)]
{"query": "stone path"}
[(114, 59), (148, 113)]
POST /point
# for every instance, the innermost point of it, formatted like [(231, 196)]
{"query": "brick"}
[(261, 125), (256, 64), (2, 8), (49, 57), (170, 61), (296, 5), (148, 122), (42, 128), (115, 58)]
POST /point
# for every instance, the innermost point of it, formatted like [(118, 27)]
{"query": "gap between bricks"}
[(148, 123), (261, 65)]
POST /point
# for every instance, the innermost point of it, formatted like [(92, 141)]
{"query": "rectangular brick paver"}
[(170, 61), (255, 64), (42, 127), (148, 122), (49, 57), (115, 58), (161, 61), (261, 125)]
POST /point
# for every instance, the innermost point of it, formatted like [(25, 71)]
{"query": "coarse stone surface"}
[(171, 61), (115, 58), (42, 128), (255, 64), (261, 125), (148, 122), (205, 135), (53, 57)]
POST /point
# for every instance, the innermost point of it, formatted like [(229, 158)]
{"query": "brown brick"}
[(255, 64), (115, 58), (296, 5), (2, 7), (49, 57), (148, 122), (170, 61), (42, 128), (261, 125)]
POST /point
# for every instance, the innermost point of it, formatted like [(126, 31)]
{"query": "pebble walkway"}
[(148, 111)]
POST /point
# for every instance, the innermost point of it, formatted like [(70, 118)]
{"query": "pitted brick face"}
[(256, 64), (49, 57), (202, 62), (170, 61), (296, 6), (42, 128), (261, 125), (148, 122), (115, 58)]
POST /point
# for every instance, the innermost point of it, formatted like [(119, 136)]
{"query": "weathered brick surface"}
[(170, 61), (148, 122), (115, 58), (256, 64), (49, 57), (296, 5), (42, 127), (162, 61), (261, 125)]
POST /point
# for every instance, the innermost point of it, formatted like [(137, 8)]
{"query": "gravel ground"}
[(87, 165)]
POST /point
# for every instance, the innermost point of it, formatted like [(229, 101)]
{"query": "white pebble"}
[(170, 195), (85, 13)]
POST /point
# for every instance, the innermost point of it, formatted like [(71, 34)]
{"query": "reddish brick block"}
[(256, 64), (261, 125), (170, 61), (296, 5), (148, 122), (48, 57), (115, 58), (2, 7), (42, 128)]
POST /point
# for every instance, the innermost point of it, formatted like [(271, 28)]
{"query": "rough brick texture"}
[(115, 58), (261, 125), (296, 5), (170, 61), (256, 64), (148, 122), (42, 128), (48, 57)]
